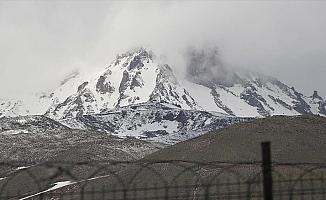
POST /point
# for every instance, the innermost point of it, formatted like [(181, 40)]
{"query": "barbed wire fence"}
[(163, 179)]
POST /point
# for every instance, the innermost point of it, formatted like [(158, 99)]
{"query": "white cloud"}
[(40, 42)]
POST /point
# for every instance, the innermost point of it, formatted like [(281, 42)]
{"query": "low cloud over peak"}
[(41, 42)]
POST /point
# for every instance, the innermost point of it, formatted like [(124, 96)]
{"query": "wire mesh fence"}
[(159, 180)]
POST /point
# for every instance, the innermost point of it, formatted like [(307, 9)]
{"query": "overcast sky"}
[(43, 41)]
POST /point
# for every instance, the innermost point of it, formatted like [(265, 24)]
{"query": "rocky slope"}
[(153, 122), (137, 77), (39, 138)]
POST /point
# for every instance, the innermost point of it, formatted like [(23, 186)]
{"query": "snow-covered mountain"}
[(138, 96), (137, 77), (130, 79), (154, 122), (159, 122)]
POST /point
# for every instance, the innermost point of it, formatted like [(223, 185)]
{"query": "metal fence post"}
[(267, 171), (207, 187), (82, 193)]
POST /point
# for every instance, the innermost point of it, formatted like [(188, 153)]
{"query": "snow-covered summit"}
[(317, 104), (138, 77), (131, 78)]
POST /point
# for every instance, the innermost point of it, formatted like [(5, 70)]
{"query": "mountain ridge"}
[(136, 77)]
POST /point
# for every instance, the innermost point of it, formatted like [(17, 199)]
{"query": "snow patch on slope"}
[(203, 96), (56, 186)]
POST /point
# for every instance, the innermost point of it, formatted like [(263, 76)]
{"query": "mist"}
[(42, 42)]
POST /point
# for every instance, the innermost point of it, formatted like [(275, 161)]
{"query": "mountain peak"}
[(136, 77), (133, 59), (138, 51), (316, 96)]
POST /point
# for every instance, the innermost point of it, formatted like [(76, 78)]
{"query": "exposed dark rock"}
[(182, 117), (137, 81), (32, 124), (158, 116), (170, 116), (82, 86), (124, 82), (279, 101), (104, 87), (190, 102), (300, 105), (166, 89), (253, 99), (151, 134), (316, 96), (252, 90), (75, 104), (89, 97), (219, 103), (136, 63), (287, 90), (124, 113), (322, 107), (94, 124)]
